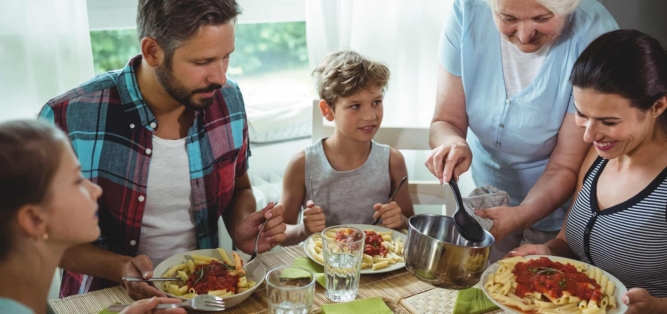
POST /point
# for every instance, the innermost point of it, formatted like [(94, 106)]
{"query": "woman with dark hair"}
[(42, 195), (618, 219)]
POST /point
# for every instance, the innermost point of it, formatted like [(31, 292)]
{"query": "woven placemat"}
[(392, 287), (91, 302), (435, 301)]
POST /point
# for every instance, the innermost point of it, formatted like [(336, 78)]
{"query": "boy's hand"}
[(313, 218), (392, 215)]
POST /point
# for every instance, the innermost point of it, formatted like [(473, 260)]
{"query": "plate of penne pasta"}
[(383, 248), (552, 284), (210, 271)]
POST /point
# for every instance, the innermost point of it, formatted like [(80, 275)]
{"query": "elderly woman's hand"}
[(639, 301), (449, 160), (505, 220)]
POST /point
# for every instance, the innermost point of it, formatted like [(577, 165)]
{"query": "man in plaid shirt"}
[(166, 138)]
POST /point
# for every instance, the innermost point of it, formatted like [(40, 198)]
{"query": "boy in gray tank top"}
[(346, 178)]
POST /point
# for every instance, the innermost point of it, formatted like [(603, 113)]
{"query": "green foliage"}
[(260, 48), (113, 48)]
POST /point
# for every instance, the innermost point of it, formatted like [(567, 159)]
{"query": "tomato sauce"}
[(549, 277), (214, 276), (374, 244)]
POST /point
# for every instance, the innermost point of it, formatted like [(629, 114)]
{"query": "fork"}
[(254, 254), (207, 303), (391, 198)]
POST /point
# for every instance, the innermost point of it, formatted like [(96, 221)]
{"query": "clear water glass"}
[(290, 290), (342, 263)]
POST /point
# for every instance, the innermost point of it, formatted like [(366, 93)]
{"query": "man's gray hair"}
[(558, 7), (171, 22)]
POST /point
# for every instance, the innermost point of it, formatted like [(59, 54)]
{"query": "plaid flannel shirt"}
[(111, 130)]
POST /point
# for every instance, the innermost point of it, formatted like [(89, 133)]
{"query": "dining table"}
[(400, 291)]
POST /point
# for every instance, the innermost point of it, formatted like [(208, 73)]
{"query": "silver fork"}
[(254, 254), (204, 303)]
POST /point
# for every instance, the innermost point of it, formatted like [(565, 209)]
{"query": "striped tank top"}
[(628, 240)]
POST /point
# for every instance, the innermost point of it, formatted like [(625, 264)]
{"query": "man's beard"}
[(179, 92)]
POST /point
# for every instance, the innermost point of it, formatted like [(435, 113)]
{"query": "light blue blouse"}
[(11, 306), (512, 139)]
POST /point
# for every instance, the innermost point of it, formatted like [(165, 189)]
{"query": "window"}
[(270, 63)]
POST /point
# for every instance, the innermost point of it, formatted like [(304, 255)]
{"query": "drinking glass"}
[(343, 250), (290, 290)]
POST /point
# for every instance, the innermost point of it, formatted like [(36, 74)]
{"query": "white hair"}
[(558, 7)]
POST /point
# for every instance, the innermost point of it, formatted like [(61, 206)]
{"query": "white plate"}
[(619, 291), (255, 272), (366, 271)]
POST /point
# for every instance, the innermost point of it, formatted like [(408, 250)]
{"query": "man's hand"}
[(639, 301), (140, 266), (505, 220), (146, 306), (313, 218), (273, 234), (529, 249), (392, 215)]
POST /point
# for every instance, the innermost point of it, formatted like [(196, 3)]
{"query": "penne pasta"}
[(393, 249), (380, 265), (225, 257), (197, 257), (200, 268), (549, 280)]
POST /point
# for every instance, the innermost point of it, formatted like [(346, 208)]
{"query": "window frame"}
[(121, 14)]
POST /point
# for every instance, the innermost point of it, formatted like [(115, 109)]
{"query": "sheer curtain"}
[(44, 51), (402, 34)]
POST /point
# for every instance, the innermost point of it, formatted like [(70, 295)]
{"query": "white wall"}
[(647, 16)]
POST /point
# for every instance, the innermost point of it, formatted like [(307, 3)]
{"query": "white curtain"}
[(44, 51), (402, 34)]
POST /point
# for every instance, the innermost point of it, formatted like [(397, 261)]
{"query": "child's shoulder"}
[(396, 158), (299, 157), (297, 165)]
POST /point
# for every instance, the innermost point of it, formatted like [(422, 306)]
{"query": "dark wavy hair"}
[(171, 22), (30, 154), (628, 63)]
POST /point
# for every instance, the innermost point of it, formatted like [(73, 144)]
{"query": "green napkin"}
[(106, 311), (473, 301), (373, 305), (317, 269)]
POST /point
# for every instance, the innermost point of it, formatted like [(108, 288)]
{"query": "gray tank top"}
[(347, 197)]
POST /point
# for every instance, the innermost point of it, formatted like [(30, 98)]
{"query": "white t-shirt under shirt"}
[(520, 68), (167, 227)]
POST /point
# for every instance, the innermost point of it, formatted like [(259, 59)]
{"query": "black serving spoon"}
[(468, 227)]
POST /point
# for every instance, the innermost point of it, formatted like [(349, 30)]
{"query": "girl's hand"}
[(146, 306)]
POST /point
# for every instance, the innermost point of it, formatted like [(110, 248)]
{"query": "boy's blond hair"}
[(343, 73)]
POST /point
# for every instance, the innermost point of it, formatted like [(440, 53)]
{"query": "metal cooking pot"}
[(437, 254)]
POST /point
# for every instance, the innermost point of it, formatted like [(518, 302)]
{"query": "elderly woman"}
[(619, 215), (504, 97)]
